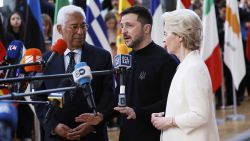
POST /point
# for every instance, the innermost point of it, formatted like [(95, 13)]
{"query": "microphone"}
[(59, 96), (58, 48), (82, 76), (8, 121), (13, 56), (33, 55), (14, 52), (122, 59), (122, 62), (53, 108), (56, 102)]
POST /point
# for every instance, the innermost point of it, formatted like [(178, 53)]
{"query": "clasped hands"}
[(162, 123), (64, 131)]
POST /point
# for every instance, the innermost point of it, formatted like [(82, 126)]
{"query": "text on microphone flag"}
[(31, 59), (122, 60), (82, 73), (12, 47)]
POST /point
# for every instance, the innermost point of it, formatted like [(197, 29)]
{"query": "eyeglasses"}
[(76, 27)]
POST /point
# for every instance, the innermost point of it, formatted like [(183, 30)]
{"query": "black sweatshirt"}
[(147, 85)]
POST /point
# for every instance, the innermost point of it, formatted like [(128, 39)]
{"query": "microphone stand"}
[(24, 102), (18, 95), (29, 78), (22, 65), (122, 96)]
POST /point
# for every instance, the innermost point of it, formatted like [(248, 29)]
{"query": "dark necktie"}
[(70, 69), (72, 62)]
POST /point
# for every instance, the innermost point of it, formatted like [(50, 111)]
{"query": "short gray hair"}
[(186, 24), (65, 11)]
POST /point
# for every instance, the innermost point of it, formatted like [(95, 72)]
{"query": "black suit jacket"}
[(103, 92)]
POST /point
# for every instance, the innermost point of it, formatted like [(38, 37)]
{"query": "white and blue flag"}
[(157, 29), (97, 32)]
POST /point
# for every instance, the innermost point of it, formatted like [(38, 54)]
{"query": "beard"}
[(135, 42)]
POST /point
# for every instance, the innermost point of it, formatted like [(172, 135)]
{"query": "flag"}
[(58, 5), (97, 32), (182, 4), (233, 47), (33, 35), (123, 4), (248, 45), (157, 29), (210, 49)]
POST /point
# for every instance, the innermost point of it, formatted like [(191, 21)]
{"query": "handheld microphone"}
[(14, 52), (58, 48), (56, 100), (82, 76), (122, 62), (33, 55), (8, 121), (53, 108), (14, 55), (122, 59), (59, 96)]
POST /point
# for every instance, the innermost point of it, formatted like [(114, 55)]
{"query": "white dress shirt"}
[(78, 53)]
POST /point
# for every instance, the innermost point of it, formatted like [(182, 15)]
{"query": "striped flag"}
[(123, 4), (210, 50), (182, 4), (58, 5), (157, 29), (33, 35), (233, 47), (97, 33)]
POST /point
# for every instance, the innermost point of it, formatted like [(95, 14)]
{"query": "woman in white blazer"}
[(189, 114)]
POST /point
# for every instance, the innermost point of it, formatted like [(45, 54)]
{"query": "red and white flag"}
[(210, 49), (183, 4)]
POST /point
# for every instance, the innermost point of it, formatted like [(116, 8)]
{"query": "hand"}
[(62, 130), (80, 131), (161, 114), (90, 118), (160, 122), (126, 110)]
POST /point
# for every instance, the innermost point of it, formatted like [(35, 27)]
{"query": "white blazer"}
[(190, 101)]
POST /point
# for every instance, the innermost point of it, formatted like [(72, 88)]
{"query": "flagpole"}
[(219, 121), (235, 116), (223, 89)]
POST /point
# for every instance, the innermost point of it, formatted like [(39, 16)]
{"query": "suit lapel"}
[(56, 67)]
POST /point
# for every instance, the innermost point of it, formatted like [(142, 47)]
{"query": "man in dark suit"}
[(62, 126)]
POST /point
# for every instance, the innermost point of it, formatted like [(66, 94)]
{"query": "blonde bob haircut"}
[(186, 24)]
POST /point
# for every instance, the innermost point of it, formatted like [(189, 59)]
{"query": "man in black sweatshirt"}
[(147, 81)]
